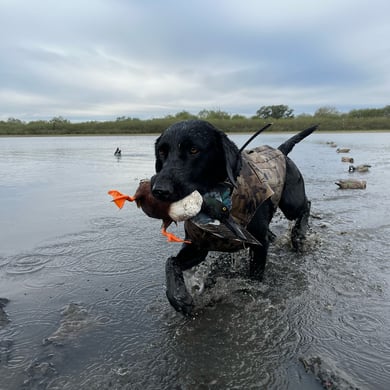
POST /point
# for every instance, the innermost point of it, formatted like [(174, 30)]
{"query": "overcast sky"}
[(101, 59)]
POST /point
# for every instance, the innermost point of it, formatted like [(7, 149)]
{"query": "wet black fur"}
[(194, 155)]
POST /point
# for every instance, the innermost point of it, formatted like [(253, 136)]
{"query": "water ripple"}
[(28, 263), (111, 261), (360, 322)]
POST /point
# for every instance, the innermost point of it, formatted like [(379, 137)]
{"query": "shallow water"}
[(85, 281)]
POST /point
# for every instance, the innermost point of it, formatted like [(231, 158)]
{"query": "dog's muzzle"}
[(162, 188)]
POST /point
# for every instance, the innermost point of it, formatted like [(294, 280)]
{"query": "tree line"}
[(282, 116)]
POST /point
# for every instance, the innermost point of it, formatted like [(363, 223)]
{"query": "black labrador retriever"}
[(195, 155)]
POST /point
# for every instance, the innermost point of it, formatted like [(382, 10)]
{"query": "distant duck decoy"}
[(351, 184), (342, 150), (359, 168), (347, 159)]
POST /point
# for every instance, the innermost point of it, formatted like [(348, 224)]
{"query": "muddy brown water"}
[(82, 296)]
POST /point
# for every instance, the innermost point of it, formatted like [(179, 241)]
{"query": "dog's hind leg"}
[(299, 230), (176, 290), (294, 204)]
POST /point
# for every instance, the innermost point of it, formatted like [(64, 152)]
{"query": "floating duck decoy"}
[(342, 150), (347, 159), (352, 184), (359, 168)]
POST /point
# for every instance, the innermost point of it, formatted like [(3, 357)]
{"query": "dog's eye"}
[(194, 150), (162, 152)]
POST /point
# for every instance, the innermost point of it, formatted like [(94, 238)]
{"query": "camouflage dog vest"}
[(262, 177)]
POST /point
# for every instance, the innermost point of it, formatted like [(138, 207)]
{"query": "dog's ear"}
[(158, 162), (158, 165), (233, 159)]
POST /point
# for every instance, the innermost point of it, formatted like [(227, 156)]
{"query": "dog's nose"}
[(160, 193)]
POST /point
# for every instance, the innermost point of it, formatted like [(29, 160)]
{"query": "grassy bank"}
[(156, 126)]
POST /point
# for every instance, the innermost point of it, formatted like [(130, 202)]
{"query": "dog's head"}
[(193, 155)]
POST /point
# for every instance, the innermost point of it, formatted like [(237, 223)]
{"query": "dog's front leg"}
[(176, 290), (177, 293), (259, 227)]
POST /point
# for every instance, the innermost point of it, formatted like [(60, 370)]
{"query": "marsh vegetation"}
[(281, 116)]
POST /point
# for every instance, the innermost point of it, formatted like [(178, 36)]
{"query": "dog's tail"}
[(288, 145)]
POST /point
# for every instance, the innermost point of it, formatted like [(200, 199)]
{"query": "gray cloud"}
[(96, 60)]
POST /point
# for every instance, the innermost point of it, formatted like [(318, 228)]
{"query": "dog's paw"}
[(181, 303), (256, 275), (298, 240), (177, 293)]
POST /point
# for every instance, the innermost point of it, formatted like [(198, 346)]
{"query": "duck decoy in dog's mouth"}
[(210, 213), (168, 212)]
